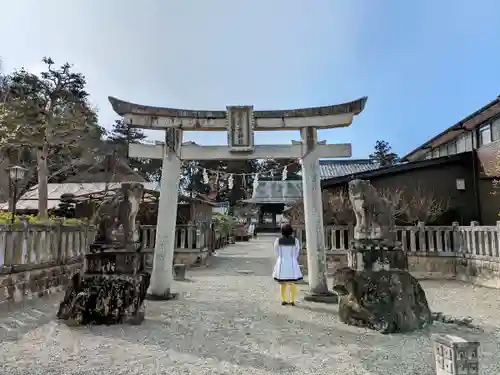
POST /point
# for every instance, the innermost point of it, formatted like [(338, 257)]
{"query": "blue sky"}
[(423, 64)]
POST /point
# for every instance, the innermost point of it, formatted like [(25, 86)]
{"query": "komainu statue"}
[(114, 284), (376, 290), (374, 213), (115, 218)]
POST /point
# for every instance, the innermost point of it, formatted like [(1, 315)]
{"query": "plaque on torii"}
[(240, 122)]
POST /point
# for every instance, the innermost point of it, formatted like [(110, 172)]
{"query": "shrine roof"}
[(278, 192), (122, 107), (336, 168), (290, 191), (83, 191)]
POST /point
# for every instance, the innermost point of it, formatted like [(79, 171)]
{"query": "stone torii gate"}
[(240, 122)]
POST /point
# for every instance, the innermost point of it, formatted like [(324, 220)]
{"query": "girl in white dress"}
[(287, 270)]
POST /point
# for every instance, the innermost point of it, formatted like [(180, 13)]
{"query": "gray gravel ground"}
[(228, 320)]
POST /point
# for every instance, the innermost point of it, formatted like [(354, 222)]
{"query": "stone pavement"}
[(228, 320)]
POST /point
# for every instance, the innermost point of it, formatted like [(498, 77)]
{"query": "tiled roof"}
[(29, 200), (288, 191), (338, 168)]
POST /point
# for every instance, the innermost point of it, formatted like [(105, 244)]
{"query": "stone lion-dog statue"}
[(373, 212)]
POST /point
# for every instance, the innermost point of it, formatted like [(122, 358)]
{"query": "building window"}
[(468, 141), (443, 151), (495, 130), (435, 153), (452, 148), (484, 135), (461, 143)]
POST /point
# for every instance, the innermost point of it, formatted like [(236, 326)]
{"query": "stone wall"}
[(23, 283), (29, 283), (477, 270)]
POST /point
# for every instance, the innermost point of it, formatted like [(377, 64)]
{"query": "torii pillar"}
[(313, 212), (240, 122)]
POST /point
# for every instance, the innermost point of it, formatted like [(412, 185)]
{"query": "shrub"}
[(6, 218)]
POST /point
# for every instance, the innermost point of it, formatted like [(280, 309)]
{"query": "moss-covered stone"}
[(387, 300), (104, 299)]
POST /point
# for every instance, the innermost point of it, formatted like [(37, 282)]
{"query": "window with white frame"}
[(435, 153), (468, 141), (443, 151), (452, 147), (495, 130), (484, 134), (460, 143)]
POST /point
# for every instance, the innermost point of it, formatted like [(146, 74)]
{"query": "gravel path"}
[(228, 320)]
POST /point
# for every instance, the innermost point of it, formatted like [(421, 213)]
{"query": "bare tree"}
[(396, 199), (337, 208), (295, 214), (424, 206)]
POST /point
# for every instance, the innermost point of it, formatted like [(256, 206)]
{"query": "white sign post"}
[(240, 122)]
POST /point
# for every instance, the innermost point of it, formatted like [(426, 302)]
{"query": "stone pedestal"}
[(180, 272), (455, 355), (375, 257), (111, 290)]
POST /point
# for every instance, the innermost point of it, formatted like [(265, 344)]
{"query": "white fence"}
[(28, 244), (474, 240)]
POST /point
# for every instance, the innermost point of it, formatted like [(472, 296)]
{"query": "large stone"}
[(387, 301), (104, 299)]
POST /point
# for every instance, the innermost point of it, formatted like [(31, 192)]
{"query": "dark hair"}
[(286, 230)]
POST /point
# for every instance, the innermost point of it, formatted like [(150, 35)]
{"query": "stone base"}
[(180, 272), (136, 319), (387, 301), (104, 299), (322, 298), (376, 258), (167, 296)]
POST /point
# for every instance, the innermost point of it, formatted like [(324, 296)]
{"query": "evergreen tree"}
[(121, 136), (47, 121), (383, 154)]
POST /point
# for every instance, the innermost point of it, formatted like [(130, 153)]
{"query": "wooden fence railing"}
[(474, 240)]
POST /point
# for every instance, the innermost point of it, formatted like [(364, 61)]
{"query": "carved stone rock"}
[(387, 301), (104, 299), (374, 214)]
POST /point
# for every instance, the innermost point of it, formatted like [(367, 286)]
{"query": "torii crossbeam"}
[(240, 122)]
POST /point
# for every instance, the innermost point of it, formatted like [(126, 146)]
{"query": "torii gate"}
[(240, 122)]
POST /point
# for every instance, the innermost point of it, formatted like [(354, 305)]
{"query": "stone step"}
[(13, 323)]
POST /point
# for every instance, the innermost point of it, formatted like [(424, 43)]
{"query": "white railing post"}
[(457, 239), (496, 241), (421, 237), (474, 247)]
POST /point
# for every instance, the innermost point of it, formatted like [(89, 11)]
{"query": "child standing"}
[(287, 270)]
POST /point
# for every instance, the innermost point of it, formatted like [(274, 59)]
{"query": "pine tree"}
[(121, 136), (383, 154)]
